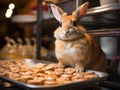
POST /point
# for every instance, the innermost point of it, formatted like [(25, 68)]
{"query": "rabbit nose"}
[(67, 33)]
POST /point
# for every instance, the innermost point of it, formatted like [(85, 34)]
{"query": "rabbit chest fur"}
[(69, 52), (81, 53)]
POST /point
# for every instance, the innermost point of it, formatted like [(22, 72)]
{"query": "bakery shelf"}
[(93, 12)]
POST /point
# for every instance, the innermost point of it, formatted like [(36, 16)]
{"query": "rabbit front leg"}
[(60, 65), (79, 67)]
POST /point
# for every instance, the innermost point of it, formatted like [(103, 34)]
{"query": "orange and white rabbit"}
[(73, 46)]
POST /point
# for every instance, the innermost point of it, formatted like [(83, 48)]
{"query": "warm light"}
[(11, 6), (99, 10), (43, 3), (8, 13)]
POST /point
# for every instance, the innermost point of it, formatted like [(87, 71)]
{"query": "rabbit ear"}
[(57, 12), (81, 11)]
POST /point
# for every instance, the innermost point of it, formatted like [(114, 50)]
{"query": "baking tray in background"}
[(69, 86)]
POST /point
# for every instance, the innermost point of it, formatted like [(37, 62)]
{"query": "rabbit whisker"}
[(51, 38), (78, 33)]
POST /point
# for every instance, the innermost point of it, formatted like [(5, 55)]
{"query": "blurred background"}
[(18, 19)]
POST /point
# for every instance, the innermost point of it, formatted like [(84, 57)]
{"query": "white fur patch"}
[(68, 45), (70, 53)]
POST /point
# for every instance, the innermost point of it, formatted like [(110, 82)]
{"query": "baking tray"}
[(69, 86)]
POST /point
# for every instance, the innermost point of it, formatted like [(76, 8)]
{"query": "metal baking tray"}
[(69, 86)]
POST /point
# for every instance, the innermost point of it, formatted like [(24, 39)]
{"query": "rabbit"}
[(73, 45)]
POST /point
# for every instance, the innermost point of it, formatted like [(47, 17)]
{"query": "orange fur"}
[(73, 46)]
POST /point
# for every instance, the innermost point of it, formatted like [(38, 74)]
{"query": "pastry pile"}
[(42, 74)]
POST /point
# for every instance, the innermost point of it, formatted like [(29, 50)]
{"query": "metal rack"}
[(39, 29), (103, 9)]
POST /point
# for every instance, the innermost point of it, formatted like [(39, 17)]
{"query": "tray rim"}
[(101, 78)]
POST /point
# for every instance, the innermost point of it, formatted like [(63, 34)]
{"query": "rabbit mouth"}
[(68, 34), (67, 37)]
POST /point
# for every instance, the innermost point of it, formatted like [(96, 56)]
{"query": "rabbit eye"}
[(60, 24), (74, 23)]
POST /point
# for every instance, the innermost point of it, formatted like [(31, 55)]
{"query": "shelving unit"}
[(100, 10)]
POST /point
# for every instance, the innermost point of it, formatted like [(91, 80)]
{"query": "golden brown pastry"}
[(43, 75)]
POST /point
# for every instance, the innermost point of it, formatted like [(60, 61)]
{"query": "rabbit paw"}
[(60, 65), (79, 69)]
